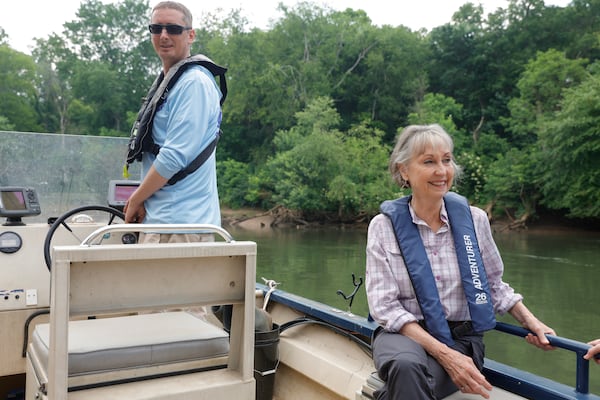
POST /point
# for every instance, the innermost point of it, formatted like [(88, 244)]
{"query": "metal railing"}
[(97, 236), (579, 348)]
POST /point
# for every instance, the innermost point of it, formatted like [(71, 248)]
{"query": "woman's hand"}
[(538, 329), (593, 351), (461, 368), (538, 337), (464, 373)]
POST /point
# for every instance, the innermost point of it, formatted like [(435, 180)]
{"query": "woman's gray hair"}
[(412, 141)]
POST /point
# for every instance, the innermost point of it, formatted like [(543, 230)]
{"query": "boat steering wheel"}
[(62, 221)]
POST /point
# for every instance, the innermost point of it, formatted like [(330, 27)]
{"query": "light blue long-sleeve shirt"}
[(183, 126)]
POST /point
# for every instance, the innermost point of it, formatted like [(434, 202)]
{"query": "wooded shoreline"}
[(257, 219)]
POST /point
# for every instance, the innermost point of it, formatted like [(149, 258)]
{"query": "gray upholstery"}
[(108, 344)]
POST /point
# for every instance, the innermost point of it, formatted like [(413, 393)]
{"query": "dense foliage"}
[(316, 100)]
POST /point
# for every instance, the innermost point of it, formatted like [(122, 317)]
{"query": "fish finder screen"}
[(12, 200), (122, 193), (17, 202), (119, 192)]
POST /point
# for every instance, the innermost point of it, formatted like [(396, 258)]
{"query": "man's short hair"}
[(187, 15)]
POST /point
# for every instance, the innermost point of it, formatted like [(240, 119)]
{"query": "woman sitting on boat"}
[(434, 278)]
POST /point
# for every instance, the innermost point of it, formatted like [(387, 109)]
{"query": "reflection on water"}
[(312, 263), (557, 273)]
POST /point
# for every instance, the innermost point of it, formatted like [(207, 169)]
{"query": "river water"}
[(556, 271)]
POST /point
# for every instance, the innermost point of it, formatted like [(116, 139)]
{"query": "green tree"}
[(459, 65), (384, 87), (103, 59), (18, 87), (55, 64), (364, 182), (512, 185), (442, 110), (321, 171), (5, 125), (540, 92), (312, 51), (97, 85), (570, 143), (302, 171), (515, 178), (496, 83), (579, 30), (478, 60), (234, 183)]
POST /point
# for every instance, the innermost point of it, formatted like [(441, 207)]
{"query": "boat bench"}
[(132, 349), (111, 350)]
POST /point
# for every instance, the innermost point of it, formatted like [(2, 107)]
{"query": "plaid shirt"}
[(392, 300)]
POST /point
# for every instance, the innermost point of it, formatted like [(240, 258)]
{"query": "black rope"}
[(26, 332), (304, 320)]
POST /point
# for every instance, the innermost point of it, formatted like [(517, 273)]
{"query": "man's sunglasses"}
[(172, 29)]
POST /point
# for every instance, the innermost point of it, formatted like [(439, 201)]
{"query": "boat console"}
[(24, 278), (90, 313)]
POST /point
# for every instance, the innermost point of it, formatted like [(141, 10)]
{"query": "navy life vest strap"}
[(419, 269), (420, 273), (474, 278), (197, 162)]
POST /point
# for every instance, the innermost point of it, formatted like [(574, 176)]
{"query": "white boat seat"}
[(137, 342), (111, 280)]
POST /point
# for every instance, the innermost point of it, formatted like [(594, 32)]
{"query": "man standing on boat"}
[(434, 278), (176, 129)]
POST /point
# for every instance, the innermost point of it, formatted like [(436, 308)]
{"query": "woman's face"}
[(431, 173)]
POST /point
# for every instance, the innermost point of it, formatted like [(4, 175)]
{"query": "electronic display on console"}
[(119, 191), (17, 202)]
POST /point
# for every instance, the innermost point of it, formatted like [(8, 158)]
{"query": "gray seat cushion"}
[(109, 344)]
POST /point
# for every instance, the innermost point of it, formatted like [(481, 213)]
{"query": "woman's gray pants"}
[(410, 373)]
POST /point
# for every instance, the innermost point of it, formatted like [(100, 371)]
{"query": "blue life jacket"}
[(474, 279)]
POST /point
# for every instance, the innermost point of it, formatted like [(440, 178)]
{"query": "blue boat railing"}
[(579, 348)]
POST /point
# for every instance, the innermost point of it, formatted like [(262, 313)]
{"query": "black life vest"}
[(141, 139)]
